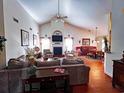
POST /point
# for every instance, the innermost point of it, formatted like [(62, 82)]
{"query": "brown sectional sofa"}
[(10, 80), (4, 81)]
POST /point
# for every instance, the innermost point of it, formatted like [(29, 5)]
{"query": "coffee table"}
[(43, 76)]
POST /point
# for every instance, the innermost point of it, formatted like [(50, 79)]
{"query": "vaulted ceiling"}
[(82, 13)]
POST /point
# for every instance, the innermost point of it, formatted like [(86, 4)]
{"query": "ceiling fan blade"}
[(65, 16), (58, 17)]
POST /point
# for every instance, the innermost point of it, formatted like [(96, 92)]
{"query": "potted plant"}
[(2, 41), (106, 44), (29, 52)]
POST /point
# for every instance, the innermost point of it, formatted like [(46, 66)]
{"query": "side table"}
[(44, 76)]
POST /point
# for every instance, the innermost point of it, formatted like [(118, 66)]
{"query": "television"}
[(57, 38)]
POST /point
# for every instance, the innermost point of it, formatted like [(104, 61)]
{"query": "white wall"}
[(12, 29), (2, 53), (66, 29), (117, 35)]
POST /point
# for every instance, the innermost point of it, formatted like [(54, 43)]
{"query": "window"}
[(103, 46), (45, 43), (69, 44)]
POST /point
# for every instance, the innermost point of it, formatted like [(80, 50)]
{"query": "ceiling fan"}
[(58, 16)]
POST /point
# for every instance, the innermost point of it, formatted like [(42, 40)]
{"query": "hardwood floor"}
[(99, 82)]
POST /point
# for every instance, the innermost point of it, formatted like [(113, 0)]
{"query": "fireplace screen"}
[(57, 50)]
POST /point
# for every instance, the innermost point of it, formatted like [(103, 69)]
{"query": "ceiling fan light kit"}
[(58, 16)]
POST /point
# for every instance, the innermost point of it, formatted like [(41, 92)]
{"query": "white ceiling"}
[(82, 13)]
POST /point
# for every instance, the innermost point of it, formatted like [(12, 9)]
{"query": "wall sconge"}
[(68, 35), (45, 35), (2, 41), (30, 28), (79, 41)]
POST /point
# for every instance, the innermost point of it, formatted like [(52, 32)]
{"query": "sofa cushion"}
[(72, 61), (80, 61), (48, 63)]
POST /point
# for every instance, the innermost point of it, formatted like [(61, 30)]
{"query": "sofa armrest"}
[(79, 74)]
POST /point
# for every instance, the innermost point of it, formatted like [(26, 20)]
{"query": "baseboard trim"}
[(109, 74)]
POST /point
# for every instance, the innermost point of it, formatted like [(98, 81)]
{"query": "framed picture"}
[(34, 39), (86, 41), (24, 38)]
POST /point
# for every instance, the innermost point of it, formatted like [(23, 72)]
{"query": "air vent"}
[(16, 20)]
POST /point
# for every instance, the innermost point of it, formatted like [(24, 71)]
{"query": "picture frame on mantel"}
[(24, 38)]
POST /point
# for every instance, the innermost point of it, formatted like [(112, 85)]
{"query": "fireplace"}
[(57, 51)]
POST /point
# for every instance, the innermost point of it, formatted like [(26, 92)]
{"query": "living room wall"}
[(2, 53), (15, 19), (67, 29), (117, 36)]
